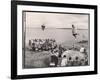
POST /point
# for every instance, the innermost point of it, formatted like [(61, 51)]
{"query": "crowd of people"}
[(38, 45)]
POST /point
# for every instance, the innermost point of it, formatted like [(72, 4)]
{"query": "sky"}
[(56, 20)]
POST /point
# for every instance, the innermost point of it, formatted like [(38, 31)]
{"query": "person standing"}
[(54, 58), (64, 61)]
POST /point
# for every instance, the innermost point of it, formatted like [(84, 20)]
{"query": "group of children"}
[(39, 45), (42, 44), (56, 51)]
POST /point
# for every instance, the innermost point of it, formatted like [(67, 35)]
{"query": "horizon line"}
[(57, 28)]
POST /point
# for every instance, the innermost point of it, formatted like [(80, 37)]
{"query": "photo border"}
[(14, 39), (23, 35)]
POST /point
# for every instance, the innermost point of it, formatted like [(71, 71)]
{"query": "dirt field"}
[(37, 59), (42, 59)]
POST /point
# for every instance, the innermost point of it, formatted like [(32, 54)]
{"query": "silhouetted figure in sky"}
[(43, 27)]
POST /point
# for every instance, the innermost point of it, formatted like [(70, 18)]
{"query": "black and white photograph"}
[(55, 39)]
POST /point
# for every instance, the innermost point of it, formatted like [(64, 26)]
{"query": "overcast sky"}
[(56, 20)]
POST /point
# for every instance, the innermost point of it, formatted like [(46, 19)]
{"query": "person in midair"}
[(74, 33), (43, 27)]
